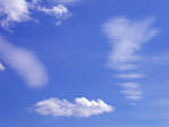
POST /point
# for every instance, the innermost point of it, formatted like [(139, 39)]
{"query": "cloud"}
[(16, 11), (24, 62), (2, 67), (130, 85), (82, 107), (131, 91), (134, 97), (60, 11), (130, 76), (127, 38), (132, 94)]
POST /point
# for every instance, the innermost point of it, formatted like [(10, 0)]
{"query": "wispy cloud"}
[(132, 94), (2, 67), (24, 62), (130, 85), (57, 8), (82, 107), (131, 91), (59, 11), (130, 75), (127, 38), (134, 97)]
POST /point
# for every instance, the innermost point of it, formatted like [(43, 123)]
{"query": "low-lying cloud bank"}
[(24, 62), (82, 107)]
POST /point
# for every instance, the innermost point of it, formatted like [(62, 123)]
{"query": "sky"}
[(84, 63)]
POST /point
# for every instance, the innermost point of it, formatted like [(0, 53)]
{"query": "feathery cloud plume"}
[(82, 107), (24, 62), (126, 39)]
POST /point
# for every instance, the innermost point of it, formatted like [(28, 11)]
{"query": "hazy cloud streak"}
[(130, 76), (24, 62), (2, 67)]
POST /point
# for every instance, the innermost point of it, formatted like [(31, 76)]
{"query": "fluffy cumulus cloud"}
[(82, 107), (12, 11), (127, 38), (24, 62)]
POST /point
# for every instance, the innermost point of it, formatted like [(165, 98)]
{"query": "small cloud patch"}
[(82, 107)]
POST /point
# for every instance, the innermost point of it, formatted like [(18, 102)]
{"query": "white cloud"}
[(24, 62), (130, 75), (132, 94), (14, 11), (134, 97), (130, 85), (132, 91), (2, 67), (82, 107), (126, 38), (60, 11)]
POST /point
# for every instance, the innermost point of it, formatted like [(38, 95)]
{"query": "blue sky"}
[(84, 63)]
